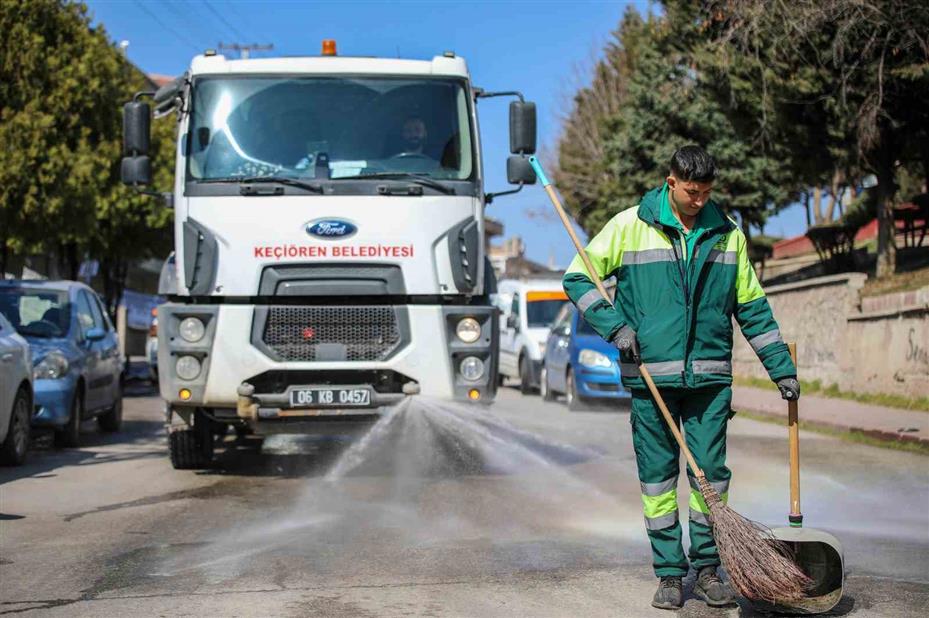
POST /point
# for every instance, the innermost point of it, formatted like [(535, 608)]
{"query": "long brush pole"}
[(793, 431), (759, 566)]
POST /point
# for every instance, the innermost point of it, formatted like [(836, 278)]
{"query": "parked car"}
[(15, 395), (579, 363), (77, 364), (527, 308)]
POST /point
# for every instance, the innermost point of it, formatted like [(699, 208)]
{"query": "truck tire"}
[(188, 451)]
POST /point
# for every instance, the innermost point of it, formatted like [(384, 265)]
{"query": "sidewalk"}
[(839, 414)]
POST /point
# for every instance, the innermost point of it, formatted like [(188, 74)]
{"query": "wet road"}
[(523, 510)]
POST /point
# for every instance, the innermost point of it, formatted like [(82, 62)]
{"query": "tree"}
[(842, 79), (661, 70), (62, 85)]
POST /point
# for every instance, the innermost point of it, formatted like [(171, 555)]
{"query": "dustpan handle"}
[(793, 432)]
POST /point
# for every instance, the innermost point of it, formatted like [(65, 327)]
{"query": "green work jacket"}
[(681, 309)]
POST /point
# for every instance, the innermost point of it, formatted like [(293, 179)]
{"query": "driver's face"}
[(414, 133)]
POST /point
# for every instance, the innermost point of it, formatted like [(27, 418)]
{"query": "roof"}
[(438, 66)]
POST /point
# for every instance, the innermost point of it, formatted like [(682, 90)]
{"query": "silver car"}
[(16, 395)]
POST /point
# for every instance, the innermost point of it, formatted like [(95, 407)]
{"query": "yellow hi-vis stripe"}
[(656, 506), (697, 503)]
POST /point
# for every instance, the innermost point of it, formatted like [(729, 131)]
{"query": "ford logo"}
[(331, 228)]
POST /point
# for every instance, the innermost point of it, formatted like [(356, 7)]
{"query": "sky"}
[(541, 48)]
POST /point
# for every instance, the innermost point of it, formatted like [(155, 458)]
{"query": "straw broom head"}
[(760, 567)]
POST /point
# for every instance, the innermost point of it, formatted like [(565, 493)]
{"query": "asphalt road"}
[(524, 509)]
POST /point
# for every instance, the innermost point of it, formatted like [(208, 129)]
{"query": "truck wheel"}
[(70, 434), (112, 420), (544, 390), (14, 447), (188, 452), (525, 378), (574, 401)]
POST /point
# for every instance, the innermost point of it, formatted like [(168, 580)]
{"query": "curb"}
[(877, 434)]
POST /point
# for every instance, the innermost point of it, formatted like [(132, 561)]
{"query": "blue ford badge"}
[(330, 229)]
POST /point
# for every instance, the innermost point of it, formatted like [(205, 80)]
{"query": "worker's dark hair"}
[(693, 163)]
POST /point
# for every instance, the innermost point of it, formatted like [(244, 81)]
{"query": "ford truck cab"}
[(328, 242)]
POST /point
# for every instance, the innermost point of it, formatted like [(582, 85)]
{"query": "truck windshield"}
[(329, 127)]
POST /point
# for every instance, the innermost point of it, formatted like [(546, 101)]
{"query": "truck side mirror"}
[(137, 119), (166, 97), (519, 171), (136, 171), (522, 127), (136, 167)]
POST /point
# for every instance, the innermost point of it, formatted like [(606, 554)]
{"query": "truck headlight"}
[(468, 330), (53, 367), (187, 367), (191, 330), (471, 368), (592, 358)]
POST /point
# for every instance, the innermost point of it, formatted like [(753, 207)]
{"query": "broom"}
[(759, 566)]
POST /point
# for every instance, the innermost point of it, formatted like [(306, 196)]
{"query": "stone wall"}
[(875, 344)]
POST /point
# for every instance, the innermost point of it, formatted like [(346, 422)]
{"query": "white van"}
[(527, 308)]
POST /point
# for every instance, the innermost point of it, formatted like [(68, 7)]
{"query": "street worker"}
[(682, 271)]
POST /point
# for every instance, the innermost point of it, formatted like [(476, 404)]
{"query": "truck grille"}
[(332, 333)]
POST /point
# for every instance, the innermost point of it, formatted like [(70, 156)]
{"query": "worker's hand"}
[(627, 344), (790, 388)]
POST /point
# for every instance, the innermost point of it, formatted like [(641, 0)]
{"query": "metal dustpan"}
[(817, 553)]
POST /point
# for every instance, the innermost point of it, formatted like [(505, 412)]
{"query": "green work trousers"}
[(704, 413)]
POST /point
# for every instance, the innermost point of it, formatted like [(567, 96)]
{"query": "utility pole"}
[(244, 50)]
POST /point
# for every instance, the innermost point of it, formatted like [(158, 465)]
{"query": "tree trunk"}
[(886, 231), (4, 256), (817, 205), (806, 206)]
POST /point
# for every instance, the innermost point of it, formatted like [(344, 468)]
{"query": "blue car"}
[(579, 363), (76, 360)]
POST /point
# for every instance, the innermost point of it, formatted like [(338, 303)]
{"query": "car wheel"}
[(525, 379), (571, 397), (70, 435), (544, 389), (13, 450), (112, 420)]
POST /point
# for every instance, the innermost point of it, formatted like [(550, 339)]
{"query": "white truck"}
[(329, 242)]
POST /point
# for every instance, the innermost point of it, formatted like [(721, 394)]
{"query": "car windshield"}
[(542, 312), (329, 127), (36, 312)]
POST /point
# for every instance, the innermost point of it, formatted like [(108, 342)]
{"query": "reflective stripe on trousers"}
[(699, 510), (659, 502)]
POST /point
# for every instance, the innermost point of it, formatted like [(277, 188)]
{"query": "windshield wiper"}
[(246, 181), (418, 179)]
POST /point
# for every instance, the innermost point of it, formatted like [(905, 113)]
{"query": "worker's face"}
[(414, 133), (689, 196)]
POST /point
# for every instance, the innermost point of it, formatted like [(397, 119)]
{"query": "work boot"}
[(711, 589), (669, 594)]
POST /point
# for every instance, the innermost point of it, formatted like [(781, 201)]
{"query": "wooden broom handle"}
[(596, 279), (793, 433)]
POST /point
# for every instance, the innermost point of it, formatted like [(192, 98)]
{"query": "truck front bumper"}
[(242, 345)]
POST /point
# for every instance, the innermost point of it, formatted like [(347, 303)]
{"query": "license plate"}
[(330, 397)]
